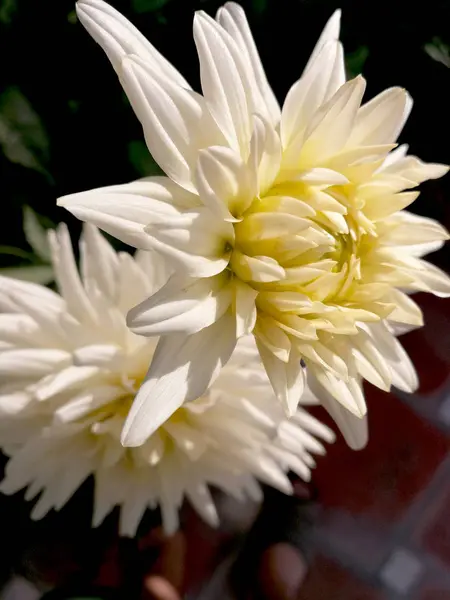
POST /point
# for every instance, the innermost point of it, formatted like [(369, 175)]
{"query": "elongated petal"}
[(124, 210), (353, 428), (182, 308), (196, 240), (224, 85), (287, 378), (181, 370), (176, 121), (232, 17), (380, 120), (118, 37)]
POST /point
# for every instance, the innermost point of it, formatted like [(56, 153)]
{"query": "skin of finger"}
[(281, 571), (170, 564), (158, 588)]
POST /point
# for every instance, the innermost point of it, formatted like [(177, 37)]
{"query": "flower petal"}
[(176, 121), (124, 210), (287, 378), (232, 18), (224, 82), (182, 308), (183, 367), (118, 37)]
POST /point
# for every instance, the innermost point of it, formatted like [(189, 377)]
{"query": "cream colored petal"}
[(232, 18), (118, 37), (224, 85), (182, 369), (176, 121)]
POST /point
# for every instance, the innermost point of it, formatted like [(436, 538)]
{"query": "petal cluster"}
[(287, 223), (70, 372)]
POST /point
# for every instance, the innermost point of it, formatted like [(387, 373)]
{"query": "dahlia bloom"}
[(285, 223), (70, 370)]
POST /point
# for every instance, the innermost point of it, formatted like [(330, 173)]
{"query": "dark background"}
[(65, 124)]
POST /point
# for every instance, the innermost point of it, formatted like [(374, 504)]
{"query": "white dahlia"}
[(70, 369), (285, 223)]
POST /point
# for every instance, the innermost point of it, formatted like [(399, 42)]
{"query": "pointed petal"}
[(353, 428), (232, 18), (181, 370), (124, 210), (176, 121), (182, 308), (118, 37), (224, 82), (287, 379)]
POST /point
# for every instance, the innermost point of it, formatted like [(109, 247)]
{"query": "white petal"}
[(105, 356), (118, 37), (245, 308), (223, 182), (232, 18), (201, 499), (65, 380), (181, 370), (32, 292), (353, 428), (124, 210), (196, 241), (330, 33), (380, 120), (68, 279), (182, 307), (99, 261), (307, 95), (176, 121), (332, 124), (287, 379), (31, 362), (224, 85)]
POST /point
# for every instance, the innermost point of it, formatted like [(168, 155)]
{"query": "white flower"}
[(288, 224), (70, 370)]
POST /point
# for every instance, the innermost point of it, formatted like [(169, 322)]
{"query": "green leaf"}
[(36, 234), (22, 136), (354, 62), (42, 274), (259, 6), (438, 51), (141, 159), (143, 6), (13, 251), (7, 10)]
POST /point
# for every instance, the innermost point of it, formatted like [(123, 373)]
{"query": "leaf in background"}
[(143, 6), (7, 10), (42, 274), (438, 51), (18, 252), (142, 160), (354, 61), (259, 6), (22, 136), (36, 233)]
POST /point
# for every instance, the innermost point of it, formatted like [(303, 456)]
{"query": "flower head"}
[(71, 369), (285, 223)]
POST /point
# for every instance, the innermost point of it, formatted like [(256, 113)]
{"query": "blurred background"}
[(65, 126)]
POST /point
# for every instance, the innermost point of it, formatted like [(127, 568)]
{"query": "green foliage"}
[(141, 159), (143, 6), (22, 135), (37, 267), (438, 51), (354, 61), (8, 8)]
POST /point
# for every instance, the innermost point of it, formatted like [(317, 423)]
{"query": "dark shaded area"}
[(84, 135)]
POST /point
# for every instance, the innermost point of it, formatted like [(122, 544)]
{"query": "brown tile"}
[(436, 535), (384, 478), (327, 580)]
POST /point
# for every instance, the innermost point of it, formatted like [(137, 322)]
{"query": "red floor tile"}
[(434, 593), (383, 479), (429, 347), (327, 580), (436, 535)]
